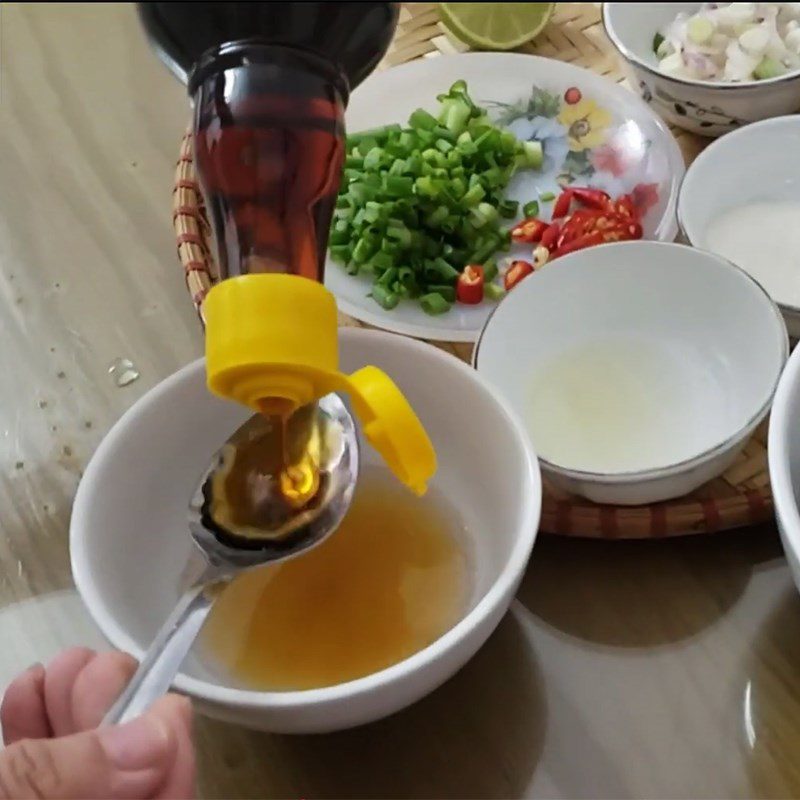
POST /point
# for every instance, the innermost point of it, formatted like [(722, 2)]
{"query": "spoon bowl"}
[(296, 530), (222, 551)]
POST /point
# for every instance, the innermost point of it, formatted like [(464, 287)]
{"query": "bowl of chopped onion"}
[(710, 67)]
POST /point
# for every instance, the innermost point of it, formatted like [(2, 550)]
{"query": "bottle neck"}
[(268, 148)]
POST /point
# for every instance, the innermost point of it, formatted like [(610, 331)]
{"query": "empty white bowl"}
[(749, 165), (784, 461), (129, 538), (709, 108), (715, 343)]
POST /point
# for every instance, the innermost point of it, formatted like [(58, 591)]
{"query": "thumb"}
[(129, 761)]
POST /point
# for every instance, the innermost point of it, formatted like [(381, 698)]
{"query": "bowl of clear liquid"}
[(391, 605), (640, 368)]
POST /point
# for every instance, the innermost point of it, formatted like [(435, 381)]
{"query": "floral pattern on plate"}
[(583, 145)]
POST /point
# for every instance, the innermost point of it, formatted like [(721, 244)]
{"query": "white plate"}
[(631, 144)]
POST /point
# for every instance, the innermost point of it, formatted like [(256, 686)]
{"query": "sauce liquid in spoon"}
[(270, 470)]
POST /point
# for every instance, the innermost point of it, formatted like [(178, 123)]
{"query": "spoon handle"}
[(165, 656)]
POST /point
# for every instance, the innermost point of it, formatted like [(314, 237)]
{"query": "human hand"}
[(53, 749)]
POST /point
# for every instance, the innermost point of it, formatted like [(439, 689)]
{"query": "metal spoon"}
[(222, 552)]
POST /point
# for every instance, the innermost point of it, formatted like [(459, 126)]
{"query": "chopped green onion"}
[(373, 158), (493, 291), (531, 209), (362, 251), (433, 303), (339, 237), (483, 214), (532, 155), (341, 254), (447, 292), (421, 119), (373, 211), (445, 272), (384, 297), (489, 270), (420, 201), (437, 216), (384, 132), (508, 209), (484, 249), (381, 262), (388, 277), (398, 185), (547, 197), (474, 196)]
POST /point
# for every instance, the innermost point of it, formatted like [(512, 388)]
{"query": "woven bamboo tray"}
[(741, 497)]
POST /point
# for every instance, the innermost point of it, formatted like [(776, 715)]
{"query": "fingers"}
[(22, 713), (72, 694), (127, 761), (97, 686), (152, 756), (59, 681), (81, 685), (180, 783)]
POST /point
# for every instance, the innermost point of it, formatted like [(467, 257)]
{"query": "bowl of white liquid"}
[(640, 368), (741, 199)]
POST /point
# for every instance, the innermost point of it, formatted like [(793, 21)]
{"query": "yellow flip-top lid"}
[(275, 337)]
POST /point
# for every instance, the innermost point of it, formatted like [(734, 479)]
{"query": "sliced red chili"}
[(593, 198), (550, 236), (623, 207), (515, 273), (469, 286), (580, 222), (601, 220), (587, 240), (529, 230), (562, 204), (622, 231)]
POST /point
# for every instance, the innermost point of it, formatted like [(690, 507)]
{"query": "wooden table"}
[(659, 669)]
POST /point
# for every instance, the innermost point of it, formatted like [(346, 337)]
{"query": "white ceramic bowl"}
[(784, 461), (129, 540), (714, 331), (709, 108), (749, 165)]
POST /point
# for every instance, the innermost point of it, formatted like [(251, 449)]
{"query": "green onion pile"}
[(420, 203)]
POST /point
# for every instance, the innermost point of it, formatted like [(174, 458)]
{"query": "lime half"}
[(495, 26)]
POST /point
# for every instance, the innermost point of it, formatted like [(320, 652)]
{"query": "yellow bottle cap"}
[(275, 337), (392, 428)]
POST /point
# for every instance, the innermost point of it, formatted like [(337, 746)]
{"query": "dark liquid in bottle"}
[(269, 82), (269, 145)]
